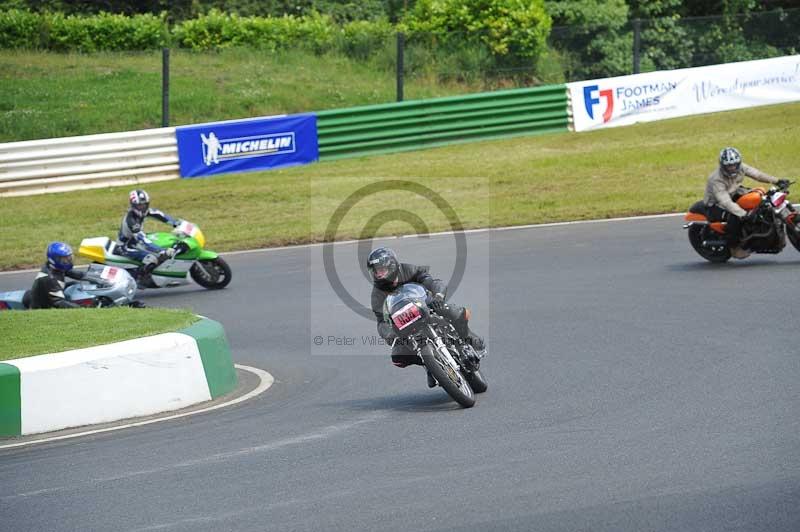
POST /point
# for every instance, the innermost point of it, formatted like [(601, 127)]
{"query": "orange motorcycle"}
[(772, 219)]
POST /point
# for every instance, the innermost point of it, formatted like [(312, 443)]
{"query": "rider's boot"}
[(431, 380), (144, 277), (739, 253), (476, 342)]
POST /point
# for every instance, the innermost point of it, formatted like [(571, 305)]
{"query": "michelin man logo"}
[(211, 148), (216, 150)]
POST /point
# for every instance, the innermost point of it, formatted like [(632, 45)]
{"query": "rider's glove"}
[(782, 184), (750, 215), (437, 303)]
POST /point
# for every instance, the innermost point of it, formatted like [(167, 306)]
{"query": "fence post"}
[(164, 87), (637, 36), (401, 40)]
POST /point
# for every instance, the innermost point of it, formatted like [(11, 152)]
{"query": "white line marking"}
[(321, 434), (466, 231), (265, 378)]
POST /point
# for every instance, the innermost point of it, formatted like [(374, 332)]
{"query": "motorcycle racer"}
[(133, 241), (48, 287), (387, 273), (724, 186)]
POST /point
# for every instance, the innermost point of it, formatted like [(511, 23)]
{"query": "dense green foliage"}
[(595, 38), (514, 31), (178, 10), (590, 34), (521, 41), (101, 32)]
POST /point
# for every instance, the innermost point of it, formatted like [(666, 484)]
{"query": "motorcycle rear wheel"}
[(453, 382), (212, 274), (711, 255)]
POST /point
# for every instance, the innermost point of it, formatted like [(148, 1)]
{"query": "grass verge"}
[(48, 95), (649, 168), (36, 332)]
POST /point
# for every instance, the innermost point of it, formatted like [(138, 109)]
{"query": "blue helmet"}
[(59, 256)]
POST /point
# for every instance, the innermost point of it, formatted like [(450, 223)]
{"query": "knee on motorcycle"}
[(461, 323), (150, 262)]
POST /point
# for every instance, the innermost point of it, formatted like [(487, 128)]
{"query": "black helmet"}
[(730, 161), (140, 201), (384, 268)]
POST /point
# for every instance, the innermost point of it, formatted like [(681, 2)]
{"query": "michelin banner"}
[(666, 94), (247, 145)]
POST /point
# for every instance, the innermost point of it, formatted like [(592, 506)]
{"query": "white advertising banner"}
[(625, 100)]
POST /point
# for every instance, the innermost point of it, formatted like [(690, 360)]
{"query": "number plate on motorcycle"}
[(406, 316), (187, 228), (109, 273), (778, 198)]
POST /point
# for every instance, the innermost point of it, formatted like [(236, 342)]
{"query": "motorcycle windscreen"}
[(404, 308), (110, 281)]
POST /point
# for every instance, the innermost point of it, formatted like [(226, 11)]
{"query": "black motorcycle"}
[(452, 362)]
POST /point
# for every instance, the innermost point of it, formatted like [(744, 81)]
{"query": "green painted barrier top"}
[(436, 102), (416, 124)]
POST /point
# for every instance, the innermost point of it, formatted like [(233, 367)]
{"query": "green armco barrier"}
[(418, 124)]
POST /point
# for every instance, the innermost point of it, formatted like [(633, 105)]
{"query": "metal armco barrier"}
[(418, 124), (115, 159), (91, 161)]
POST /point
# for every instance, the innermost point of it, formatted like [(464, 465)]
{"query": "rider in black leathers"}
[(134, 243), (387, 273), (48, 287)]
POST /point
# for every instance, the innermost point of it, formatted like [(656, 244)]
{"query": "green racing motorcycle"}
[(205, 267)]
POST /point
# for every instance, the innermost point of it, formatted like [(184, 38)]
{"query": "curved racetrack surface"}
[(632, 387)]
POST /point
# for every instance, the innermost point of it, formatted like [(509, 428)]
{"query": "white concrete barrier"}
[(117, 381)]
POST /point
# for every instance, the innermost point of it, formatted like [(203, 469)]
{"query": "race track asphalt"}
[(632, 387)]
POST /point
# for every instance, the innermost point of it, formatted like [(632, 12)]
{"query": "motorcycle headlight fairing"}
[(200, 237)]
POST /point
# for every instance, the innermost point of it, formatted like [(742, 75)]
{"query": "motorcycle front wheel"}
[(212, 274), (793, 238), (453, 381), (711, 255), (477, 381)]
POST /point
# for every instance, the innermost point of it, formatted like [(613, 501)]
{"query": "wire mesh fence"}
[(604, 50)]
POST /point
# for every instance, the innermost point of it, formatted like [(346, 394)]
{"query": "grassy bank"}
[(648, 168), (37, 332), (47, 95)]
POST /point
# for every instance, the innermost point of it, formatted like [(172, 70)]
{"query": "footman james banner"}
[(247, 145), (666, 94)]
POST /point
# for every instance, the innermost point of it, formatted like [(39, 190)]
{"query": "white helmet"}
[(140, 202), (730, 161)]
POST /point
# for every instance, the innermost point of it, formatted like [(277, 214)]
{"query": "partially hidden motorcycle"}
[(101, 286), (205, 267), (773, 220), (453, 363)]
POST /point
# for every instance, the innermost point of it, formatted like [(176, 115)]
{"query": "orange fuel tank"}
[(751, 200)]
